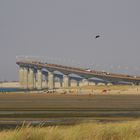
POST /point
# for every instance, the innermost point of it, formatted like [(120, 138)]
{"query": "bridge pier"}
[(50, 80), (35, 83), (31, 78), (39, 79), (85, 82), (21, 76), (46, 81), (78, 83), (61, 82), (66, 81), (25, 78)]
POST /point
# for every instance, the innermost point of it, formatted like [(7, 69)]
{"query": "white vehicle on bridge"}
[(89, 70)]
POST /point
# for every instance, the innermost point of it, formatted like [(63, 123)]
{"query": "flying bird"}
[(97, 36)]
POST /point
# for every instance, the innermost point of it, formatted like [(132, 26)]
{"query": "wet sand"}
[(15, 107), (53, 102)]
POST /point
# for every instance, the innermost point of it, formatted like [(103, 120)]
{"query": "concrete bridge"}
[(32, 74)]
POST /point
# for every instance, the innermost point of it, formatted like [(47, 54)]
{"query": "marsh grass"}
[(83, 131)]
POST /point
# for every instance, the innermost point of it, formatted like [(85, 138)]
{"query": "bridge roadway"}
[(82, 72)]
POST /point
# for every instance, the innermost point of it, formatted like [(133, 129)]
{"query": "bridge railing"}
[(51, 61)]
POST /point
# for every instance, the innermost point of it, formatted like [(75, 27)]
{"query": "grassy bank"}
[(84, 131)]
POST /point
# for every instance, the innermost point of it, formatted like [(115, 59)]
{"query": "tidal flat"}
[(59, 109)]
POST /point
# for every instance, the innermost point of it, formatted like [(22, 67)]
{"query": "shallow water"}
[(10, 89), (12, 124)]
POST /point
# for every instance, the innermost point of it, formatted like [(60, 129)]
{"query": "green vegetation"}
[(83, 131)]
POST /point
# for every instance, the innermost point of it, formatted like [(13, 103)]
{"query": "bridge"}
[(32, 72)]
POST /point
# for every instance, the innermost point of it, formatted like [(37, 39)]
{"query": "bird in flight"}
[(97, 36)]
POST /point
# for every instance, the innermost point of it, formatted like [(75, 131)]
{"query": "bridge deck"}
[(80, 71)]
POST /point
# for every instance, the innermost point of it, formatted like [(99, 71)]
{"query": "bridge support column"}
[(50, 80), (21, 76), (136, 83), (25, 78), (77, 83), (39, 79), (85, 82), (46, 81), (61, 82), (35, 83), (31, 78), (66, 81)]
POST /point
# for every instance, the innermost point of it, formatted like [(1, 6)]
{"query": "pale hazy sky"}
[(66, 29)]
